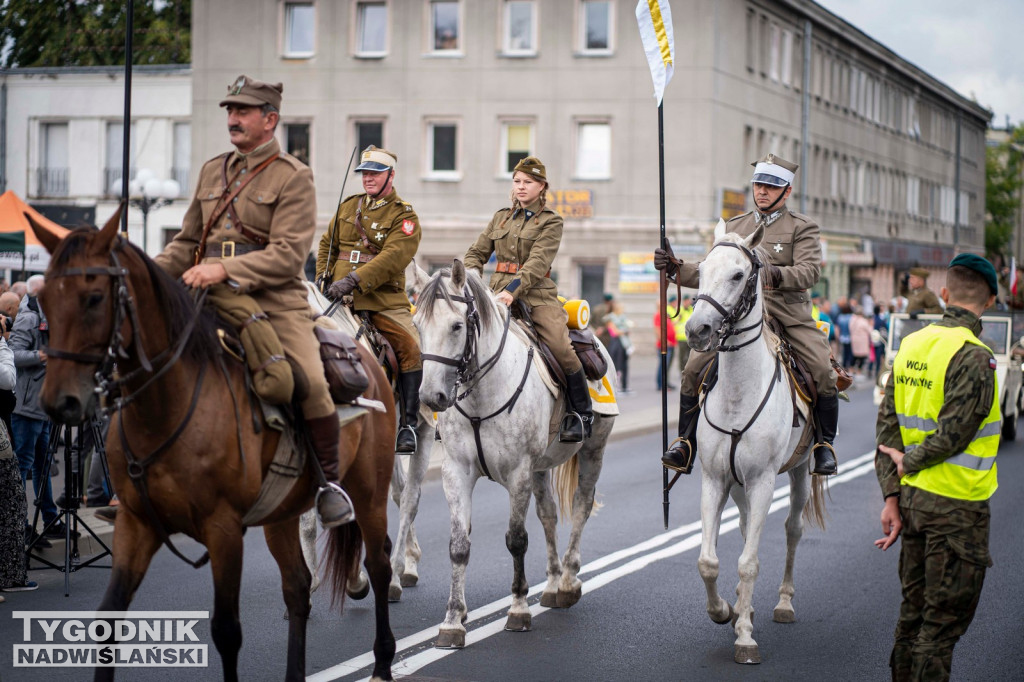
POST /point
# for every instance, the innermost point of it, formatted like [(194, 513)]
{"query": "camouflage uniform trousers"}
[(941, 579)]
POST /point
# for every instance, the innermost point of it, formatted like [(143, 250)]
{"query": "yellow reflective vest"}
[(679, 322), (919, 375)]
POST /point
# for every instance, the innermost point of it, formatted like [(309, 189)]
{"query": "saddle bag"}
[(843, 378), (346, 378), (583, 342)]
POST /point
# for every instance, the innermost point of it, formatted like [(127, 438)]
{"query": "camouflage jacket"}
[(969, 389)]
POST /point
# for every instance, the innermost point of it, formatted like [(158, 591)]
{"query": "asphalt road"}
[(642, 615)]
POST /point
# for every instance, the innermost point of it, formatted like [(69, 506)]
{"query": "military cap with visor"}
[(771, 170), (979, 265), (376, 160), (920, 272), (248, 92), (532, 166)]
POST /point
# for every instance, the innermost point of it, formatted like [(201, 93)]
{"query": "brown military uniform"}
[(279, 204), (792, 242), (525, 243), (923, 300), (391, 225)]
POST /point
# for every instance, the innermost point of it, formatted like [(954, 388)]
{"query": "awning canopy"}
[(19, 247)]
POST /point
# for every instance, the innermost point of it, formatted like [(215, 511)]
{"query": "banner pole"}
[(663, 310)]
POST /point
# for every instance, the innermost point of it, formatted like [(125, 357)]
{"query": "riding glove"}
[(343, 287), (665, 260), (772, 275)]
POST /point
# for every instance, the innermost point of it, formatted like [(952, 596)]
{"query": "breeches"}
[(941, 581), (295, 329), (397, 327), (550, 323), (808, 343)]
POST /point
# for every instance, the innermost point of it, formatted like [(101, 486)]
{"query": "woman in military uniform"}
[(525, 240)]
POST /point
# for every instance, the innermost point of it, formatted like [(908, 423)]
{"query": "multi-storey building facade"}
[(63, 139)]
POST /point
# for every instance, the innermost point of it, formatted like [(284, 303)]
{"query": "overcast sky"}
[(974, 46)]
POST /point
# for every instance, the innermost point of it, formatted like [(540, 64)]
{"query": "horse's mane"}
[(759, 250), (176, 304), (436, 289)]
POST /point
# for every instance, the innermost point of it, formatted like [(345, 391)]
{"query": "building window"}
[(113, 170), (787, 58), (774, 48), (592, 285), (369, 132), (445, 34), (516, 144), (296, 141), (52, 180), (596, 27), (299, 26), (751, 40), (520, 27), (593, 150), (371, 29), (182, 155), (442, 150)]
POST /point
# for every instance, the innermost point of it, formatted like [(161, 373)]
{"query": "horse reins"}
[(466, 376), (745, 304)]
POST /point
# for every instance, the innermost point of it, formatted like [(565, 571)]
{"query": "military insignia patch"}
[(239, 84), (991, 363), (408, 226)]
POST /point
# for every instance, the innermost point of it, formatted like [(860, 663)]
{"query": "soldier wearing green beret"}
[(525, 238), (920, 299), (938, 432), (371, 239), (247, 233), (792, 242)]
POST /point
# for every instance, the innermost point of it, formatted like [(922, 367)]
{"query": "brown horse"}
[(184, 451)]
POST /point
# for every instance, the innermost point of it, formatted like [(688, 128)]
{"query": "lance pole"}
[(127, 132), (663, 310)]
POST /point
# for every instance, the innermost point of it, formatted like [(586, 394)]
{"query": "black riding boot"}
[(333, 506), (576, 424), (683, 450), (827, 414), (405, 444)]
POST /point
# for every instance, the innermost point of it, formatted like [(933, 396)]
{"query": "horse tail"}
[(814, 510), (566, 480), (344, 547)]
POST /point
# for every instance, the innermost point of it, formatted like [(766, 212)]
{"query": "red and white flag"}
[(1013, 276)]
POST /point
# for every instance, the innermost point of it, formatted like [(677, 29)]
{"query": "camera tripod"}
[(74, 474)]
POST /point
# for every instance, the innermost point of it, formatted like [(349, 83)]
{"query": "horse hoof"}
[(450, 639), (747, 654), (409, 579), (518, 622), (549, 600), (394, 593), (729, 617), (567, 598), (781, 615)]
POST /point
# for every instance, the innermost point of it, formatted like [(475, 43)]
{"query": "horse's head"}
[(453, 308), (79, 302), (729, 289)]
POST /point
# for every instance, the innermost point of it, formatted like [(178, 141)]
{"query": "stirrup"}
[(332, 488), (687, 467), (835, 459), (568, 423), (415, 441)]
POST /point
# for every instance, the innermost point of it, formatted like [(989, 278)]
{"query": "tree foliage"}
[(92, 32), (1003, 166)]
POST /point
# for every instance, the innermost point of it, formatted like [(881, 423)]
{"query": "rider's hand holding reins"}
[(343, 287), (203, 275), (665, 259), (772, 275), (504, 298)]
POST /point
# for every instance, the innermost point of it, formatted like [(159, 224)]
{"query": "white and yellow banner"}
[(655, 20)]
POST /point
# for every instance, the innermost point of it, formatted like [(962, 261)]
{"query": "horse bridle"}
[(748, 297), (467, 374)]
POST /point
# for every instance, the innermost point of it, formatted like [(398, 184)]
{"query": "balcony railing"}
[(112, 175), (52, 182), (180, 175)]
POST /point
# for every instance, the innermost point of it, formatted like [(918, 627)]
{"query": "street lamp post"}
[(147, 192)]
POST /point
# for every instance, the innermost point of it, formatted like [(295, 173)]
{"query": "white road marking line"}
[(853, 469)]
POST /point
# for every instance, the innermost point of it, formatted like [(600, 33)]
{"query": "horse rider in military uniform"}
[(920, 299), (248, 230), (371, 239), (791, 265), (938, 432), (525, 240)]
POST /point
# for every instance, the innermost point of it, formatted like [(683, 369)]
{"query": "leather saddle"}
[(583, 342)]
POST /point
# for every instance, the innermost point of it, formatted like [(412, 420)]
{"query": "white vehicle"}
[(997, 333)]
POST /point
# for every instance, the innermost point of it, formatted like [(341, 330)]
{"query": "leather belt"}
[(355, 256), (512, 268), (230, 249)]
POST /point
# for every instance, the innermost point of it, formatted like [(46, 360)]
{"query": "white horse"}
[(752, 398), (479, 370), (405, 486)]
